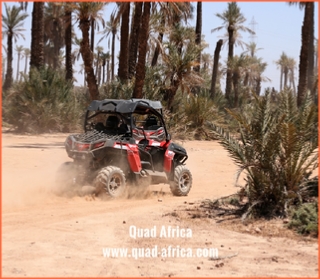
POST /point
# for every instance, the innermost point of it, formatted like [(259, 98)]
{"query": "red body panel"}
[(168, 157), (134, 158)]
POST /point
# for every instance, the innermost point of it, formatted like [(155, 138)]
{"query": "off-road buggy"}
[(126, 144)]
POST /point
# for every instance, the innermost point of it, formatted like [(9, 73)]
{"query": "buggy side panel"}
[(168, 157), (134, 158)]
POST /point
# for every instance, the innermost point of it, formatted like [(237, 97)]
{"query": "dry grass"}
[(227, 218)]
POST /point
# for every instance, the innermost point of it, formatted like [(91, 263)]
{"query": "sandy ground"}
[(47, 235)]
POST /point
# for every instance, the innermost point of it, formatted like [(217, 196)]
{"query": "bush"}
[(276, 148), (44, 102), (193, 117), (305, 219)]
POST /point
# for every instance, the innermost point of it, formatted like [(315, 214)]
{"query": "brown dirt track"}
[(47, 235)]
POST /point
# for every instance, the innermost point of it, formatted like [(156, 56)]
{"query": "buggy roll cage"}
[(121, 106)]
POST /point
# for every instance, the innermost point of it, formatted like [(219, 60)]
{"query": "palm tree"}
[(124, 11), (105, 57), (253, 74), (134, 38), (26, 54), (4, 58), (99, 51), (238, 64), (261, 67), (305, 56), (143, 42), (252, 49), (3, 65), (179, 63), (198, 31), (82, 71), (171, 14), (283, 64), (68, 41), (76, 51), (12, 22), (37, 36), (206, 61), (316, 57), (215, 68), (291, 68), (233, 21), (96, 17), (19, 50), (84, 11), (54, 29), (112, 27), (307, 60)]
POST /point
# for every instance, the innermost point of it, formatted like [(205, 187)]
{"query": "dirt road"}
[(46, 235)]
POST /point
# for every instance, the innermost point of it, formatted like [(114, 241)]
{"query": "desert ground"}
[(48, 235)]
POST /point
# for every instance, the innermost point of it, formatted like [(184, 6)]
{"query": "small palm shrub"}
[(276, 147), (43, 102), (304, 219), (194, 117)]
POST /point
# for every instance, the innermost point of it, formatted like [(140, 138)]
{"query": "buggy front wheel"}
[(182, 182)]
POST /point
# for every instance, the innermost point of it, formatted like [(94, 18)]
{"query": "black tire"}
[(111, 181), (182, 182)]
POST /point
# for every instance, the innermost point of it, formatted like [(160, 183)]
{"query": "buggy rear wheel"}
[(182, 182), (111, 181)]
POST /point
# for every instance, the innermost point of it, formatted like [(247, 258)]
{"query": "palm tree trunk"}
[(175, 83), (230, 57), (304, 62), (143, 42), (18, 66), (56, 42), (134, 39), (9, 78), (26, 65), (3, 68), (160, 39), (198, 31), (124, 43), (235, 79), (293, 83), (281, 78), (112, 55), (87, 57), (68, 42), (92, 35), (37, 36), (97, 67), (103, 71), (108, 71), (258, 86), (285, 73), (215, 68), (311, 49)]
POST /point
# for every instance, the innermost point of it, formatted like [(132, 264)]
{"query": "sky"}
[(277, 29)]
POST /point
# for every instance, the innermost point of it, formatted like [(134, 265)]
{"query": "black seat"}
[(123, 129), (99, 127), (112, 123), (151, 123)]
